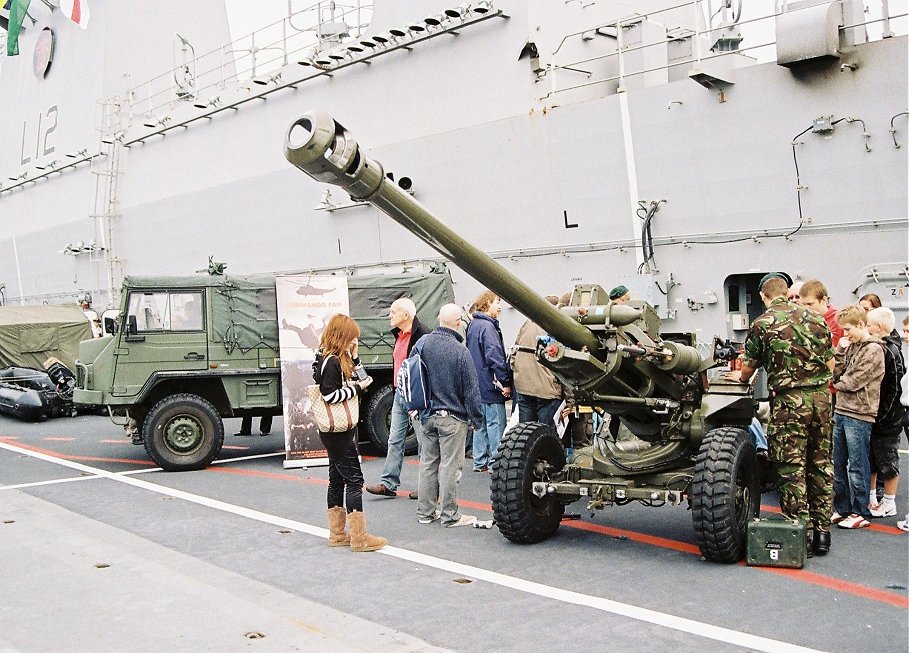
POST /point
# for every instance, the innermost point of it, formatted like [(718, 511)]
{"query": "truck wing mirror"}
[(110, 325), (132, 327)]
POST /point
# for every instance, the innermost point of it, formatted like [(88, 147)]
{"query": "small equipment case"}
[(776, 542)]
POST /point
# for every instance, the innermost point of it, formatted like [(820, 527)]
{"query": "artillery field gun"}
[(691, 440)]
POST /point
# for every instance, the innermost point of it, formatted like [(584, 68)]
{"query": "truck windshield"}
[(167, 311)]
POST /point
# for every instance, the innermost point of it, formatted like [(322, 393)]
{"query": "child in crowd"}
[(813, 296), (857, 379), (885, 434)]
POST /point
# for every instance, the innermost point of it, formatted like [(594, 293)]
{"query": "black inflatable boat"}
[(29, 394)]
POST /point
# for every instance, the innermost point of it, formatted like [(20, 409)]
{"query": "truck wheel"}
[(529, 452), (378, 421), (183, 432), (725, 493)]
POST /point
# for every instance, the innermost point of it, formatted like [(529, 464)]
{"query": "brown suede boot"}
[(360, 540), (337, 536)]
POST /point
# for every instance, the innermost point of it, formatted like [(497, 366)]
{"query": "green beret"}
[(617, 292), (775, 275)]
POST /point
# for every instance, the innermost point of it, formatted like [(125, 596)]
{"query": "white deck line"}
[(129, 472), (701, 629)]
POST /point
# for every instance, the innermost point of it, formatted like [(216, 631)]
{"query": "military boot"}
[(822, 543), (809, 543)]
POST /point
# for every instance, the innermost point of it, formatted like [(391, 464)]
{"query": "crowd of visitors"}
[(836, 378)]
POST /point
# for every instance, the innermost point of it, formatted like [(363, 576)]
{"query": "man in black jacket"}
[(406, 328)]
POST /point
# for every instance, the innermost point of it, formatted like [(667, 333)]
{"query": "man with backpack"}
[(450, 380), (406, 328)]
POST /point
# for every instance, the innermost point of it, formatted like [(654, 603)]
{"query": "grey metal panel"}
[(808, 33)]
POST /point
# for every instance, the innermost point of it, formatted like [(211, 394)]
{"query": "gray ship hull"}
[(545, 176)]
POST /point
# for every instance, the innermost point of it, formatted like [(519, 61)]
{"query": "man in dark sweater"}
[(454, 408), (406, 328)]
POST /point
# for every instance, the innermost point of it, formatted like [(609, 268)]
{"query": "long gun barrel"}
[(324, 150)]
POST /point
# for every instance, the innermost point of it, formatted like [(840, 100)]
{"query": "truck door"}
[(170, 336)]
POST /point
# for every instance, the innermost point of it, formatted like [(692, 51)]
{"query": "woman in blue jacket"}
[(487, 349)]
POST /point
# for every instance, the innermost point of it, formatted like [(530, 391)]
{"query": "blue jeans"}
[(535, 409), (441, 460), (397, 431), (486, 438), (851, 465)]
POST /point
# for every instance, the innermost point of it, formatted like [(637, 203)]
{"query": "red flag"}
[(76, 11)]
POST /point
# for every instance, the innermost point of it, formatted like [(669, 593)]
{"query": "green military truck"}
[(185, 352)]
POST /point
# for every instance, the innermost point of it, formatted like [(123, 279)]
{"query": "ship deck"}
[(104, 552)]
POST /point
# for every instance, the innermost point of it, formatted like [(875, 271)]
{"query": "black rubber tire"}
[(378, 421), (529, 452), (725, 493), (184, 416)]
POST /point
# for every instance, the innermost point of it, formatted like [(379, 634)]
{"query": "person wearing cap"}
[(792, 343), (619, 295)]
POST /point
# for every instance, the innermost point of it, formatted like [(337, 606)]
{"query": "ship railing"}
[(255, 58), (148, 112), (714, 45)]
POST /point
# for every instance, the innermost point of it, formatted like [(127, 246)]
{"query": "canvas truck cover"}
[(29, 335), (244, 308)]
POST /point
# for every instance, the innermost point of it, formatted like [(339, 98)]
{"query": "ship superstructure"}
[(652, 145)]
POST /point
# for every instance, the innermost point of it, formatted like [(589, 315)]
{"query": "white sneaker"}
[(424, 519), (884, 509), (836, 518), (465, 520), (854, 521), (903, 524)]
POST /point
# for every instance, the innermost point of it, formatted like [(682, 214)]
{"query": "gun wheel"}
[(528, 453), (183, 432), (378, 421), (725, 493)]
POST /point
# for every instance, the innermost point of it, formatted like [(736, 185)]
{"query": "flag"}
[(76, 11), (17, 11)]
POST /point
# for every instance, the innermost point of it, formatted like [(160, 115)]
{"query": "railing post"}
[(885, 16), (620, 45), (284, 41), (252, 53), (697, 33)]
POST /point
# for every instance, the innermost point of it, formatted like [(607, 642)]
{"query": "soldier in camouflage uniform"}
[(793, 345)]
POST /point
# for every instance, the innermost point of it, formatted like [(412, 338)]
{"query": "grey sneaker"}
[(465, 520), (428, 519)]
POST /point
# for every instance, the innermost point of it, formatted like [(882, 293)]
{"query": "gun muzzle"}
[(324, 150)]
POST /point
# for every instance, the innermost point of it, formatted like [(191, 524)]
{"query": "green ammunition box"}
[(776, 542)]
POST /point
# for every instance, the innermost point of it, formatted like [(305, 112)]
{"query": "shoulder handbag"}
[(333, 418)]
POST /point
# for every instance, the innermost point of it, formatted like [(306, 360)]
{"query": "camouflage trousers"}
[(800, 445)]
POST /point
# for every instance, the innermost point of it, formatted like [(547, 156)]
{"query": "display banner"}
[(305, 304)]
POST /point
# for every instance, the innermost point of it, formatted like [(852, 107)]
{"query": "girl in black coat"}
[(334, 369)]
